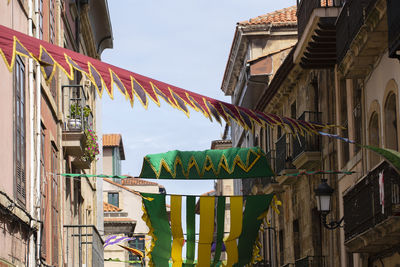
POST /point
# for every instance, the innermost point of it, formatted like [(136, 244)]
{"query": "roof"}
[(114, 140), (282, 16), (119, 219), (121, 186), (137, 181), (110, 208)]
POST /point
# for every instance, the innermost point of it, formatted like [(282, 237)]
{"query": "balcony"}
[(77, 117), (83, 246), (316, 47), (361, 33), (283, 161), (393, 11), (310, 261), (368, 226), (306, 149)]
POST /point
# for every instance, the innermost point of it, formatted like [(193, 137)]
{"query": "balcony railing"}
[(78, 115), (362, 208), (393, 11), (282, 153), (307, 142), (270, 155), (306, 7), (311, 261), (349, 22), (83, 246)]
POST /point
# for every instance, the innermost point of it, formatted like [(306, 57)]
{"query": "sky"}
[(184, 43)]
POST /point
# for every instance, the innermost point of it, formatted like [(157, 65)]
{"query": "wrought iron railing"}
[(83, 246), (306, 142), (281, 155), (305, 9), (270, 155), (393, 11), (310, 261), (362, 206), (349, 22), (78, 115)]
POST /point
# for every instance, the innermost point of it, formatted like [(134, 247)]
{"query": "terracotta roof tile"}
[(137, 181), (114, 140), (110, 208), (121, 186), (286, 15), (111, 139)]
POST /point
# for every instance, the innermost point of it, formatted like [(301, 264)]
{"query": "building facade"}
[(343, 70), (123, 217), (47, 126)]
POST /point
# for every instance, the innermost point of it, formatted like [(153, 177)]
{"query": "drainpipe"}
[(31, 255), (38, 140)]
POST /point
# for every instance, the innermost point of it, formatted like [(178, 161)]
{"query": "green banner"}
[(232, 163)]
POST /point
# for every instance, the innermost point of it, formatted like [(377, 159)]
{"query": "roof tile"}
[(111, 139), (121, 186), (110, 208), (286, 15), (137, 181)]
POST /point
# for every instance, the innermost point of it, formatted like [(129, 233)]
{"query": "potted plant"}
[(91, 146), (74, 118)]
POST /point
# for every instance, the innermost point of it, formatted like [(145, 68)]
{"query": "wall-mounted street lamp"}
[(323, 195)]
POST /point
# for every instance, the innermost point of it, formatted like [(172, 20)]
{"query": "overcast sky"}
[(182, 42)]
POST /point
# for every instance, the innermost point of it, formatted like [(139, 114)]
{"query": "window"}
[(391, 123), (54, 205), (113, 199), (137, 243), (296, 237), (357, 116), (373, 139), (41, 19), (116, 163), (344, 122), (281, 248), (52, 21), (43, 193), (19, 129)]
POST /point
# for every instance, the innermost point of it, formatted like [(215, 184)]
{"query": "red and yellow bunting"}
[(133, 85)]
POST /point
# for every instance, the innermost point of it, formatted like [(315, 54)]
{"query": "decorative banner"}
[(118, 260), (240, 242), (132, 85), (114, 239), (93, 175), (392, 156), (232, 163), (156, 218), (300, 173), (133, 251)]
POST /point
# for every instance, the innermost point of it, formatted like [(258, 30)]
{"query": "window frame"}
[(19, 129)]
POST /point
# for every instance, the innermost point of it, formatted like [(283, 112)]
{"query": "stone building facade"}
[(342, 71)]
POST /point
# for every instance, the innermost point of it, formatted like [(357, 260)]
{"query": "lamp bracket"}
[(332, 224)]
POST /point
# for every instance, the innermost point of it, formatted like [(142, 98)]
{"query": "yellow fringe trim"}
[(208, 165), (146, 219)]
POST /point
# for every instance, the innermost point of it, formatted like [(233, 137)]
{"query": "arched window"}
[(390, 124), (373, 139)]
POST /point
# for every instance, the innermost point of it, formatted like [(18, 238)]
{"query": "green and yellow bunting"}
[(232, 163), (246, 216)]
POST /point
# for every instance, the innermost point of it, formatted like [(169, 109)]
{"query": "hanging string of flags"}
[(246, 217), (133, 85)]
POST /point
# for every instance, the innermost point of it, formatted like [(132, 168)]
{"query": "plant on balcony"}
[(91, 146), (74, 117), (86, 111)]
